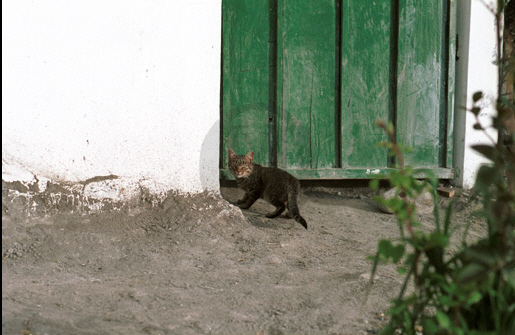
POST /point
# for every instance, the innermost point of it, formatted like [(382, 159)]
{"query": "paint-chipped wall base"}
[(40, 196), (99, 194)]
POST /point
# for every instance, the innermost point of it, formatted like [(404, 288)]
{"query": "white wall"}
[(123, 87), (475, 71), (131, 88)]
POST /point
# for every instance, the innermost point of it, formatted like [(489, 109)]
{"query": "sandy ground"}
[(196, 265)]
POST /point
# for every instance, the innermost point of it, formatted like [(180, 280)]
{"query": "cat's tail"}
[(293, 206)]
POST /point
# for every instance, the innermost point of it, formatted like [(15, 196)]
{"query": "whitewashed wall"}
[(99, 87), (131, 88), (475, 71)]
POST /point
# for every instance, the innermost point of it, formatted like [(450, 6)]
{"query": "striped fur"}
[(274, 185)]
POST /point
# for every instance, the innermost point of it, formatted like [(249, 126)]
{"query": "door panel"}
[(306, 84), (245, 78), (364, 81), (303, 83), (420, 67)]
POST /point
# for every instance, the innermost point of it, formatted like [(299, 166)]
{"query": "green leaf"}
[(374, 184), (430, 327), (397, 252), (449, 288), (402, 270), (474, 297), (436, 240), (385, 247), (445, 300), (443, 319), (389, 251)]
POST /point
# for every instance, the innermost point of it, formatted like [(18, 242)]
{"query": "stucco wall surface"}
[(125, 88), (475, 71), (130, 89)]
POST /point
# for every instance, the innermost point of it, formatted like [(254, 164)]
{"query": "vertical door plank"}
[(450, 44), (420, 66), (245, 75), (364, 81), (306, 79)]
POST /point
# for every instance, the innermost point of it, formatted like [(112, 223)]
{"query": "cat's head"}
[(241, 165)]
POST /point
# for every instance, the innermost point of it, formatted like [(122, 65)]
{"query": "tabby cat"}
[(274, 185)]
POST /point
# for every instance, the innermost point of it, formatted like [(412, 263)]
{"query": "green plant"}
[(472, 289)]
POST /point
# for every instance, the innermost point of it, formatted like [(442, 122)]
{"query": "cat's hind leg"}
[(293, 208), (280, 207)]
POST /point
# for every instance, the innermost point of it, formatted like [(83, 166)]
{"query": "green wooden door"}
[(303, 83)]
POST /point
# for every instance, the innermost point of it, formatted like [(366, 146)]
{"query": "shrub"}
[(472, 289)]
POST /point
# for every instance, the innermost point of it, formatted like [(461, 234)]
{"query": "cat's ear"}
[(232, 154), (249, 157)]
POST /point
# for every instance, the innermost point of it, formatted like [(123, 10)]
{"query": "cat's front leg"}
[(248, 200), (243, 200)]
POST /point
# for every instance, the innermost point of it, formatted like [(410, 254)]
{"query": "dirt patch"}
[(196, 265)]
